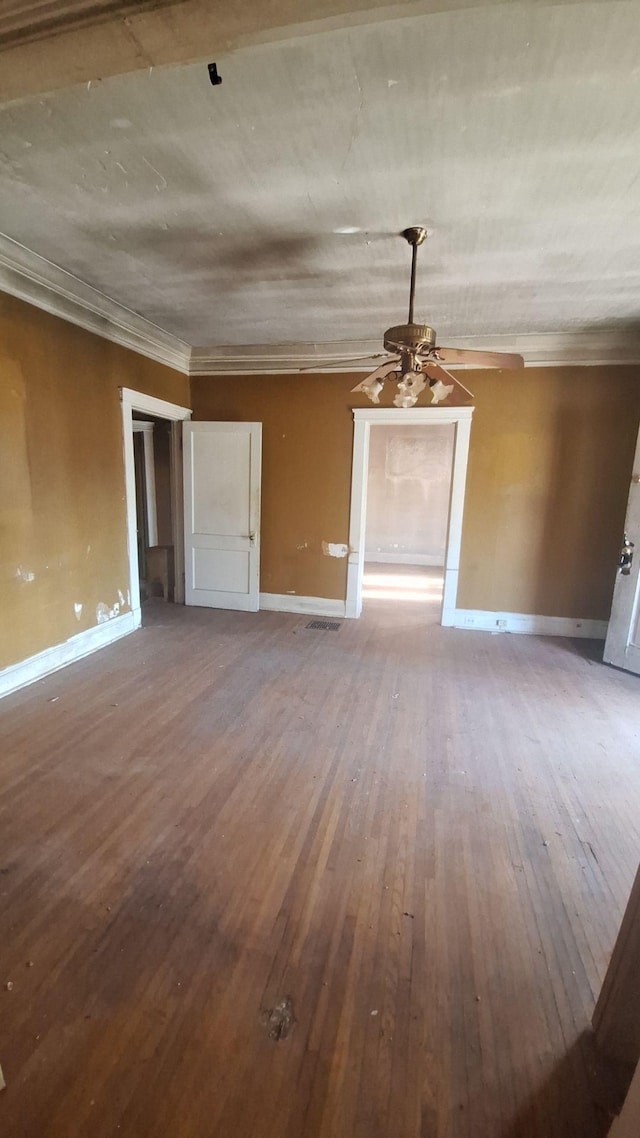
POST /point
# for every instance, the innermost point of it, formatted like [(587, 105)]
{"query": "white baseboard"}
[(290, 602), (432, 559), (525, 622), (36, 667)]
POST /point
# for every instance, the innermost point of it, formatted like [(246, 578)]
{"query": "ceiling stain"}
[(511, 131)]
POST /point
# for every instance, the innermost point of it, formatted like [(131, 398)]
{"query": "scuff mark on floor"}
[(280, 1019)]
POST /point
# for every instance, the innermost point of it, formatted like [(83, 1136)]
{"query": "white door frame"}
[(621, 647), (136, 401), (460, 417)]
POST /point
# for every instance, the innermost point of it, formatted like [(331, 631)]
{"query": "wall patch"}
[(334, 549)]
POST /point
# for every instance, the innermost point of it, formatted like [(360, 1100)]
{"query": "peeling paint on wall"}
[(77, 608), (334, 549), (50, 475), (104, 613)]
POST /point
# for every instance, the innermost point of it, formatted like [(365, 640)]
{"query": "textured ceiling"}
[(511, 131)]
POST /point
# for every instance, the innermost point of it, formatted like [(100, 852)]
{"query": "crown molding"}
[(274, 359), (581, 348), (29, 277), (32, 278)]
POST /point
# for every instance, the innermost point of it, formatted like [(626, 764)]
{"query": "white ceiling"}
[(511, 130)]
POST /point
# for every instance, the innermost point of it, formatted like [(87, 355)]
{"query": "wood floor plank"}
[(424, 837)]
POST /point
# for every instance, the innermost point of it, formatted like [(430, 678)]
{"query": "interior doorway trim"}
[(148, 404), (460, 417)]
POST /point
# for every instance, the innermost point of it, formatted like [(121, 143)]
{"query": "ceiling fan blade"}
[(334, 365), (452, 356), (446, 388)]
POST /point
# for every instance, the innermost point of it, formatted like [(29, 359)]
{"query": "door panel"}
[(222, 466), (622, 646), (228, 498), (229, 570)]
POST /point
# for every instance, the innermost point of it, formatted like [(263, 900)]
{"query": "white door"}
[(622, 646), (222, 467)]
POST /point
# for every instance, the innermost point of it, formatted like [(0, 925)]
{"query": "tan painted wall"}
[(62, 510), (548, 478), (550, 462)]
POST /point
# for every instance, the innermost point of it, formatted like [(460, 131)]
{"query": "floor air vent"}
[(324, 625)]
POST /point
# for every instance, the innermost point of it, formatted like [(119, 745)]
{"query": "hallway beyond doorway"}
[(422, 584)]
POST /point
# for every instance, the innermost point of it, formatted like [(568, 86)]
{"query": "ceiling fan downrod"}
[(415, 235), (411, 338)]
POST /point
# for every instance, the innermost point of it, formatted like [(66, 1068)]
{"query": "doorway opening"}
[(154, 507), (407, 498), (152, 436), (407, 515)]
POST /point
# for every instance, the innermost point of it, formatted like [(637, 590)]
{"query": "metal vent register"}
[(325, 625)]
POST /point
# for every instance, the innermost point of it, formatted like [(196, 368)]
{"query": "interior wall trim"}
[(584, 349), (150, 405), (59, 655), (524, 622), (363, 419), (312, 606), (30, 277)]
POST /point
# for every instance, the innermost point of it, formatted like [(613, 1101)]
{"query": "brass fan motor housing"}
[(410, 338)]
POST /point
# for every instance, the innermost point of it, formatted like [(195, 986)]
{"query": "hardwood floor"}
[(424, 838)]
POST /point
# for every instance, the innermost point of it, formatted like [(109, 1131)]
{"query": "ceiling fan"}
[(419, 360)]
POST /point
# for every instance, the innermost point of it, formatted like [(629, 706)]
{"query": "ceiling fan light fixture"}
[(405, 399), (440, 391), (372, 390), (418, 354), (371, 386), (410, 385)]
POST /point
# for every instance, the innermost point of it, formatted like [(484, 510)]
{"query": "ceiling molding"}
[(580, 348), (24, 20), (30, 277), (54, 45)]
